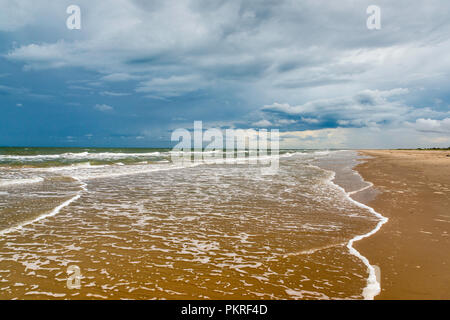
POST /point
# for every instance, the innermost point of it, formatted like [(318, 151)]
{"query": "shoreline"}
[(52, 213), (412, 249), (373, 287)]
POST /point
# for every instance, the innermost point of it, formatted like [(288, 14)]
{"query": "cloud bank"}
[(308, 68)]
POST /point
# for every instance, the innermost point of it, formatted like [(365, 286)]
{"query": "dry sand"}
[(413, 248)]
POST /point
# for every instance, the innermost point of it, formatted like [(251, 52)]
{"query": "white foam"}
[(86, 171), (370, 185), (313, 250), (373, 287), (77, 166), (118, 171), (78, 156), (12, 182), (302, 294), (52, 213), (50, 294)]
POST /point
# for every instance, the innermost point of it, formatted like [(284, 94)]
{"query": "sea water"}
[(139, 226)]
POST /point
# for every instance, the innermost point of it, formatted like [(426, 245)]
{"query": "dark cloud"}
[(312, 63)]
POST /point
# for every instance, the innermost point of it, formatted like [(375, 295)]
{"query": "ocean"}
[(138, 226)]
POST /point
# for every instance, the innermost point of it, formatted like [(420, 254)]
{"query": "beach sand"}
[(413, 248)]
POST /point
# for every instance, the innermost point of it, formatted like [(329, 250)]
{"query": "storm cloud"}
[(295, 65)]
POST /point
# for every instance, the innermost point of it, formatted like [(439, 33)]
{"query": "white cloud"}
[(262, 123), (431, 125), (118, 77), (16, 14), (103, 107), (172, 86), (364, 108), (114, 94), (309, 120), (360, 138)]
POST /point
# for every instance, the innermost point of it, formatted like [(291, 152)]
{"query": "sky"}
[(139, 69)]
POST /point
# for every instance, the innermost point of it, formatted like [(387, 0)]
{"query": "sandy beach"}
[(412, 249), (156, 231)]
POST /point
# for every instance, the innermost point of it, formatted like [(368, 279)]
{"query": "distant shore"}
[(413, 248)]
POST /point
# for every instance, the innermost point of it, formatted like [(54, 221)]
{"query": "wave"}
[(373, 287), (55, 211), (119, 171), (116, 156), (77, 156), (87, 171), (76, 166)]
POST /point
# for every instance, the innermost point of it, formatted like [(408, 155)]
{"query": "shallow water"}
[(157, 230)]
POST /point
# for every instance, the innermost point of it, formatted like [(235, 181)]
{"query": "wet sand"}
[(413, 247)]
